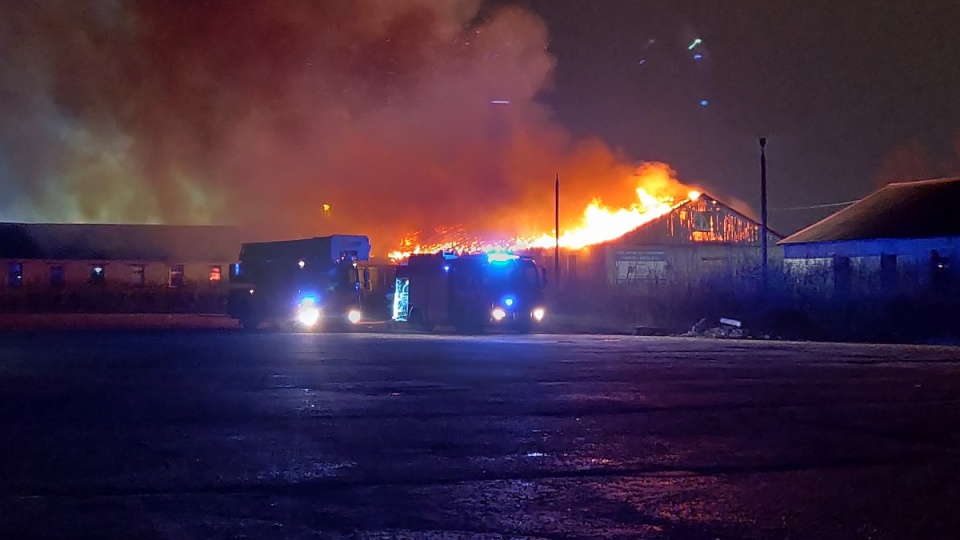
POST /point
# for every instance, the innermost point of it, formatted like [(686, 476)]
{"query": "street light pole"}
[(556, 232), (763, 210)]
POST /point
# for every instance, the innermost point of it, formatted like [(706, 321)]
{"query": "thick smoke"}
[(262, 113)]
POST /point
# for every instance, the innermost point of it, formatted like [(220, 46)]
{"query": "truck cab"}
[(469, 292), (307, 284)]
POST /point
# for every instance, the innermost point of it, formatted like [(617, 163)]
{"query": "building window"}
[(940, 271), (58, 278), (98, 274), (15, 275), (640, 266), (138, 276), (176, 276), (701, 222), (888, 273), (215, 275), (842, 275)]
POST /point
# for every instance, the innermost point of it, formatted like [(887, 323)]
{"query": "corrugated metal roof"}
[(74, 241), (922, 209)]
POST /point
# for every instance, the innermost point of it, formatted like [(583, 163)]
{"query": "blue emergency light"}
[(499, 257)]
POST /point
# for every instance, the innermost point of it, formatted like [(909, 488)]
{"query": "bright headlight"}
[(354, 316), (538, 313), (498, 314), (308, 315)]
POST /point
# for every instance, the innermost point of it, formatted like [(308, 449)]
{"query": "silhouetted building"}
[(51, 264), (902, 238)]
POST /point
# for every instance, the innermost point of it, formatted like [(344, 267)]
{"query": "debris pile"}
[(727, 329)]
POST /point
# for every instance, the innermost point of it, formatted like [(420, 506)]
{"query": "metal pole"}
[(556, 232), (763, 209)]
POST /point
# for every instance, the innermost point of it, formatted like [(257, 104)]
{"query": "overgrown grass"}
[(783, 306)]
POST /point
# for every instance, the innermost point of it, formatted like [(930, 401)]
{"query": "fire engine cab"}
[(469, 292)]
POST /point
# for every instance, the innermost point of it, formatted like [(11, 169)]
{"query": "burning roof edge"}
[(687, 202)]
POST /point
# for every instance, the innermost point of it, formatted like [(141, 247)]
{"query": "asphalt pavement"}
[(217, 433)]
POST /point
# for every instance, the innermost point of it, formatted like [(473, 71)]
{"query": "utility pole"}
[(556, 232), (763, 210)]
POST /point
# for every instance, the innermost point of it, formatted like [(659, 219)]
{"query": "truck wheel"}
[(417, 320)]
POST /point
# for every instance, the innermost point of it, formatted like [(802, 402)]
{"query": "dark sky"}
[(836, 87)]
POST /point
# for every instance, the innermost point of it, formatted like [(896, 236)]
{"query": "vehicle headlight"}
[(308, 315), (498, 314), (538, 313), (354, 316)]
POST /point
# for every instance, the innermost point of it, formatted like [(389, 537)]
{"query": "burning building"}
[(700, 238)]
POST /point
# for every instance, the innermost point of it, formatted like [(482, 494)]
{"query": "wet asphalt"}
[(222, 434)]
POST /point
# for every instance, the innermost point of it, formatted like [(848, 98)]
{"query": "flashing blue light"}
[(308, 299), (703, 103), (697, 56), (501, 257), (508, 301), (446, 268)]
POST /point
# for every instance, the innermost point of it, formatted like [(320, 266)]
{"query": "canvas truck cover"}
[(324, 247)]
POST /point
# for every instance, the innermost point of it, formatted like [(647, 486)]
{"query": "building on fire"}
[(99, 266), (699, 240), (901, 239)]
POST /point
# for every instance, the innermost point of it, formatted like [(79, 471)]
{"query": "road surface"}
[(188, 434)]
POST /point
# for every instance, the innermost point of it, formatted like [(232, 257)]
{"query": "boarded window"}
[(58, 276), (15, 275), (98, 274), (176, 276), (640, 266), (215, 275)]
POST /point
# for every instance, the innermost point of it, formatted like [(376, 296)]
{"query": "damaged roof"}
[(903, 210), (109, 242)]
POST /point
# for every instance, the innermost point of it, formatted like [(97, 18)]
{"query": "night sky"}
[(850, 94), (387, 111)]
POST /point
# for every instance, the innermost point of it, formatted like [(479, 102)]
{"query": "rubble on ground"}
[(724, 328)]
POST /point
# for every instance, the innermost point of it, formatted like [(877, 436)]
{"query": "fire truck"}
[(469, 292), (307, 284)]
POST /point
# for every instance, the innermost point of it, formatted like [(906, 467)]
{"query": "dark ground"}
[(221, 434)]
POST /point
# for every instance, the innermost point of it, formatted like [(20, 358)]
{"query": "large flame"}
[(598, 224)]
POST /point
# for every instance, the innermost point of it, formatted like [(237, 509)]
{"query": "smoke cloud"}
[(290, 118)]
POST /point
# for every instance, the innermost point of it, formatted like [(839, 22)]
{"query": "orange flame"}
[(598, 224)]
